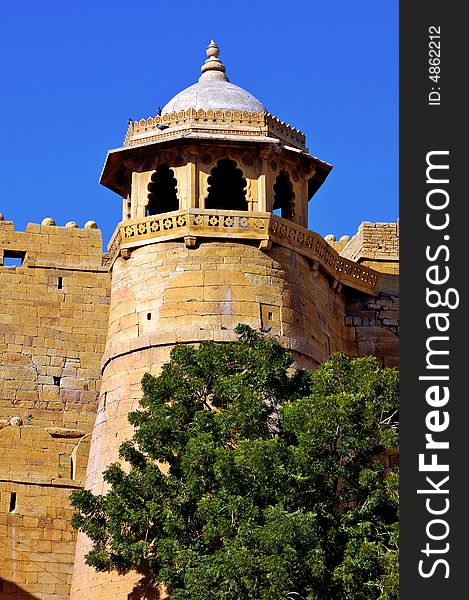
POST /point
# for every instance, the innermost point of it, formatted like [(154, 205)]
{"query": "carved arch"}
[(284, 196), (162, 191), (227, 186)]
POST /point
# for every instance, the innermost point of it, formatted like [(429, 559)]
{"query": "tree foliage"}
[(273, 480)]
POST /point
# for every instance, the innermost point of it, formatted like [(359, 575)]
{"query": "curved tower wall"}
[(166, 293)]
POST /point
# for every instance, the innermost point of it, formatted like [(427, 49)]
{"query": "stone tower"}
[(214, 233)]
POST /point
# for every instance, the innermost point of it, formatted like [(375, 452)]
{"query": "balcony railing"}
[(225, 224)]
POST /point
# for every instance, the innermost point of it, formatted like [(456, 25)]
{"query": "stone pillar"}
[(126, 207), (264, 182), (203, 187), (192, 180), (261, 186), (135, 214), (140, 194)]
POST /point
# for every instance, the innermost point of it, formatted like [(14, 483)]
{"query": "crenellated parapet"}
[(375, 245), (52, 246), (206, 123)]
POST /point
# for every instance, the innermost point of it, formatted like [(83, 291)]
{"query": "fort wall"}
[(375, 245), (67, 338), (53, 320), (54, 304), (373, 322), (38, 471)]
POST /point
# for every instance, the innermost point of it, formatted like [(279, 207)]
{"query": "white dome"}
[(214, 91), (214, 94)]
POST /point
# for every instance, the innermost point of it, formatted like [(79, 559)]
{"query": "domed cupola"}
[(212, 156), (214, 90)]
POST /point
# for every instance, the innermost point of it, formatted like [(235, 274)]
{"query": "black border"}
[(425, 128)]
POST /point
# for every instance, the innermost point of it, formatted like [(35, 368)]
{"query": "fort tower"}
[(214, 232)]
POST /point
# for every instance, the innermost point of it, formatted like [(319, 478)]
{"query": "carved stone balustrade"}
[(267, 229)]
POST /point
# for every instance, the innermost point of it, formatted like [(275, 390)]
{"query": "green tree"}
[(276, 480)]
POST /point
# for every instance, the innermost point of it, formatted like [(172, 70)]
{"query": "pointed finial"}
[(213, 67), (212, 50)]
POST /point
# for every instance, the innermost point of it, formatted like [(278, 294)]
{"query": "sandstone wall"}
[(53, 322), (54, 304), (38, 470), (375, 245), (373, 322)]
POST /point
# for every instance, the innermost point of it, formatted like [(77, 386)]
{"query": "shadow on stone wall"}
[(145, 589), (10, 590)]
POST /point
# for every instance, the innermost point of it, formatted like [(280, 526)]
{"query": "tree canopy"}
[(248, 480)]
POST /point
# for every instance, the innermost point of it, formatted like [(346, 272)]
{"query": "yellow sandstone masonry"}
[(375, 245), (54, 306), (213, 233), (38, 471), (53, 323)]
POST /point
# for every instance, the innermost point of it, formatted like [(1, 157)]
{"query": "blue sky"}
[(73, 73)]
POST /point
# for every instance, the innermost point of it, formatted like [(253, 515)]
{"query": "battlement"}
[(375, 245), (54, 304), (213, 123), (48, 245)]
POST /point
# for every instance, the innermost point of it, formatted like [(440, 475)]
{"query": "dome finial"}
[(213, 67), (212, 50)]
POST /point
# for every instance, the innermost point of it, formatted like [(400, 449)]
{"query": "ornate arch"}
[(225, 154), (284, 196), (227, 186), (162, 189)]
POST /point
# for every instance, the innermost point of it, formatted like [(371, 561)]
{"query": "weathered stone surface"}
[(38, 540), (62, 432), (55, 321), (375, 245), (52, 331)]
